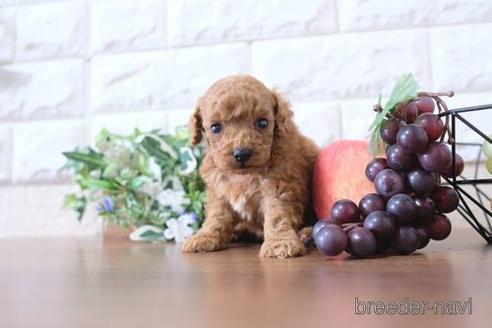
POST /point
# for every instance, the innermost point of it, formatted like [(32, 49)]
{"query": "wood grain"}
[(113, 282)]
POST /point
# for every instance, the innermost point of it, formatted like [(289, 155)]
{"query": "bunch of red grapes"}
[(410, 204)]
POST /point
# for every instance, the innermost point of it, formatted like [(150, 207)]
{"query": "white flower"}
[(179, 229), (151, 188), (123, 155), (175, 199)]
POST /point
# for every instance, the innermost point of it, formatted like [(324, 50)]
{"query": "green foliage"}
[(142, 179), (405, 89)]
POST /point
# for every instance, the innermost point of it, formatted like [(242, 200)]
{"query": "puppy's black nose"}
[(241, 155)]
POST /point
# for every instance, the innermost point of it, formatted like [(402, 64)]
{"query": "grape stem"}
[(436, 94), (441, 105), (377, 108), (349, 226)]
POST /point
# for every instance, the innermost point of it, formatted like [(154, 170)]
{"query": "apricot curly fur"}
[(268, 197)]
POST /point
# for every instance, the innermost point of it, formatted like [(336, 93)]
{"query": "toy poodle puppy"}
[(257, 168)]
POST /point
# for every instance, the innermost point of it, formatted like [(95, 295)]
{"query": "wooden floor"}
[(117, 283)]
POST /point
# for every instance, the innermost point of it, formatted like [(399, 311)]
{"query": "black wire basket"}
[(475, 202)]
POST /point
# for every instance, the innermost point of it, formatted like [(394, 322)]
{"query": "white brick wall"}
[(201, 21), (118, 26), (38, 147), (71, 67), (7, 35), (48, 31), (42, 90), (366, 62)]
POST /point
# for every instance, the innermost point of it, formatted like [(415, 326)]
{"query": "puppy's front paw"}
[(202, 243), (282, 248)]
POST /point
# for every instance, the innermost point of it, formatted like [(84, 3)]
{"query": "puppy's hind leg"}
[(216, 231)]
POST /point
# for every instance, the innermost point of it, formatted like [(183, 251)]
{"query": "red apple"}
[(339, 173)]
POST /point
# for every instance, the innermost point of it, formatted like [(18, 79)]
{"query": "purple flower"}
[(190, 217), (194, 217), (106, 206)]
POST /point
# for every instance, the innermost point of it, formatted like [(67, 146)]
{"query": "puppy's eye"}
[(216, 128), (261, 123)]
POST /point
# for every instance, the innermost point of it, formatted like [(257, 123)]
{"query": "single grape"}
[(344, 211), (459, 165), (320, 225), (389, 130), (399, 159), (435, 158), (446, 199), (438, 227), (402, 207), (412, 138), (425, 104), (425, 209), (331, 240), (370, 203), (432, 124), (421, 181), (374, 167), (389, 183), (408, 113), (382, 246), (382, 225), (407, 240), (423, 237), (361, 242)]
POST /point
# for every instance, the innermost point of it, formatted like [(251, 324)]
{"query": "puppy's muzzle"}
[(241, 155)]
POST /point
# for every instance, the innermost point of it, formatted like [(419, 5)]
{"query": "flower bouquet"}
[(146, 180)]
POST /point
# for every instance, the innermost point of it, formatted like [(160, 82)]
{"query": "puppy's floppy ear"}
[(284, 125), (195, 125)]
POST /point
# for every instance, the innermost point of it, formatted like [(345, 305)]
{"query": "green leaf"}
[(98, 184), (111, 171), (376, 145), (147, 233), (152, 235), (405, 89), (93, 159), (161, 143), (76, 203), (188, 162), (135, 183), (182, 133), (153, 148)]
